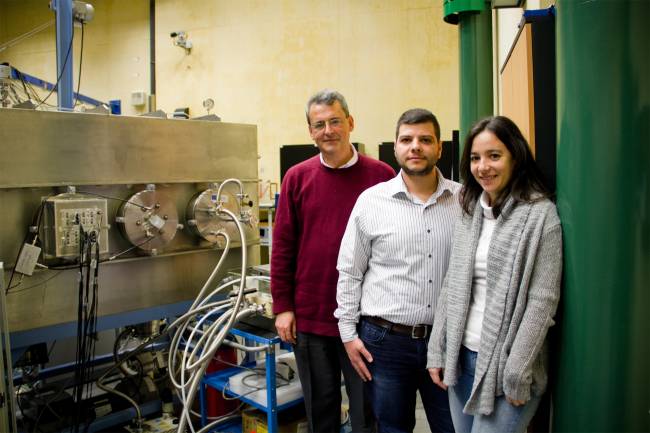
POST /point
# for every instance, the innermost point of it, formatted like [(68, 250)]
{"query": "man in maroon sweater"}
[(316, 199)]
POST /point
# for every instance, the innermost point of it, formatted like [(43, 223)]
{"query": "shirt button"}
[(429, 306), (428, 230), (431, 281), (429, 255)]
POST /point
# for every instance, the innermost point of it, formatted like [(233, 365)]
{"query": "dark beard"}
[(423, 172)]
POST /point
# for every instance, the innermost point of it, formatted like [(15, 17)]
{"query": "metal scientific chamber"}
[(130, 182)]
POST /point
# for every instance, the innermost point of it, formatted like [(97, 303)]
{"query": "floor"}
[(421, 424)]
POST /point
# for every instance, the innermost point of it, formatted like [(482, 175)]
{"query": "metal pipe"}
[(231, 180), (476, 97), (603, 196), (235, 315)]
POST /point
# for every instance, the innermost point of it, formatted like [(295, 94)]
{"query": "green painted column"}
[(476, 95), (603, 185)]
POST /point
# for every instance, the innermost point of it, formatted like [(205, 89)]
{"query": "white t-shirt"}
[(474, 325)]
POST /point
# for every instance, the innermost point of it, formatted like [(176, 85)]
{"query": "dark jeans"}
[(320, 362), (398, 371)]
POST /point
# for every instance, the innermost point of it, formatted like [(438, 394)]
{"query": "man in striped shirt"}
[(393, 258)]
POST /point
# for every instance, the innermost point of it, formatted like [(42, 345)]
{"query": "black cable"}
[(26, 85), (26, 92), (80, 318), (93, 311), (49, 352), (37, 97), (14, 96), (22, 81), (113, 198), (40, 283), (81, 56), (29, 90), (58, 79), (86, 319)]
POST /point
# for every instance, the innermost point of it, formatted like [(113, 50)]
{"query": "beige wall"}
[(261, 59), (116, 47)]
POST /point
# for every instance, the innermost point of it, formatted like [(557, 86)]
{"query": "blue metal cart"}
[(267, 342)]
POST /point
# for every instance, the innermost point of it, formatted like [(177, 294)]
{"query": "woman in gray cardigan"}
[(488, 342)]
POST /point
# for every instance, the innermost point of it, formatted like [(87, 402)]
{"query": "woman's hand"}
[(437, 375)]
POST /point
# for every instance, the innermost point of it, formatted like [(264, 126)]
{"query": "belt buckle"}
[(416, 327)]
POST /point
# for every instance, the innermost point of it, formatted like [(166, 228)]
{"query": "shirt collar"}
[(350, 163), (396, 185), (487, 209)]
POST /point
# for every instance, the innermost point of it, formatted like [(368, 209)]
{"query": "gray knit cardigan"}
[(524, 268)]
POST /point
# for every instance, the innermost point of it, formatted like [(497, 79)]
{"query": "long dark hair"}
[(526, 183)]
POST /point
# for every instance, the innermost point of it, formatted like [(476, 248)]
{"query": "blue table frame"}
[(219, 380)]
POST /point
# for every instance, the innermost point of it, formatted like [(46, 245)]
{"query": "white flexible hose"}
[(197, 376), (208, 343), (215, 271), (209, 340)]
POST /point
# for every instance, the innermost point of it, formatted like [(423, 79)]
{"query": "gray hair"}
[(327, 97)]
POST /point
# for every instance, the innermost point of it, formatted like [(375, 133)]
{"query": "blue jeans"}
[(398, 371), (505, 418)]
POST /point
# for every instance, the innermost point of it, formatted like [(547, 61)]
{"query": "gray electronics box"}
[(63, 215)]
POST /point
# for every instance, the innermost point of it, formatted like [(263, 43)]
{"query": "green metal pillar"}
[(476, 95), (603, 195), (474, 18)]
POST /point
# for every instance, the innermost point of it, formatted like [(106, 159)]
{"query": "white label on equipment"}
[(27, 260)]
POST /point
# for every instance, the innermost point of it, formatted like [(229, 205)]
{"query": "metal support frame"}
[(23, 339), (7, 399), (18, 75), (64, 52)]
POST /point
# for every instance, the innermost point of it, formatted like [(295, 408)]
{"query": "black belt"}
[(417, 331)]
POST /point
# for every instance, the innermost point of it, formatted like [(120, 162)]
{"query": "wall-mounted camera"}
[(181, 40)]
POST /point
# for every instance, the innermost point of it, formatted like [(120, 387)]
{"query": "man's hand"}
[(437, 375), (285, 323), (358, 355), (514, 402)]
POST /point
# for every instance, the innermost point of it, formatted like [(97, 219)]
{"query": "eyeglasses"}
[(334, 122)]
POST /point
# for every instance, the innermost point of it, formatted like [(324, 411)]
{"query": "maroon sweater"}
[(313, 210)]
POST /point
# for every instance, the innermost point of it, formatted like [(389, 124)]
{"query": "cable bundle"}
[(200, 345), (86, 318)]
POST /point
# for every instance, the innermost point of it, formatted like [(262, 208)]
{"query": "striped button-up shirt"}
[(394, 254)]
